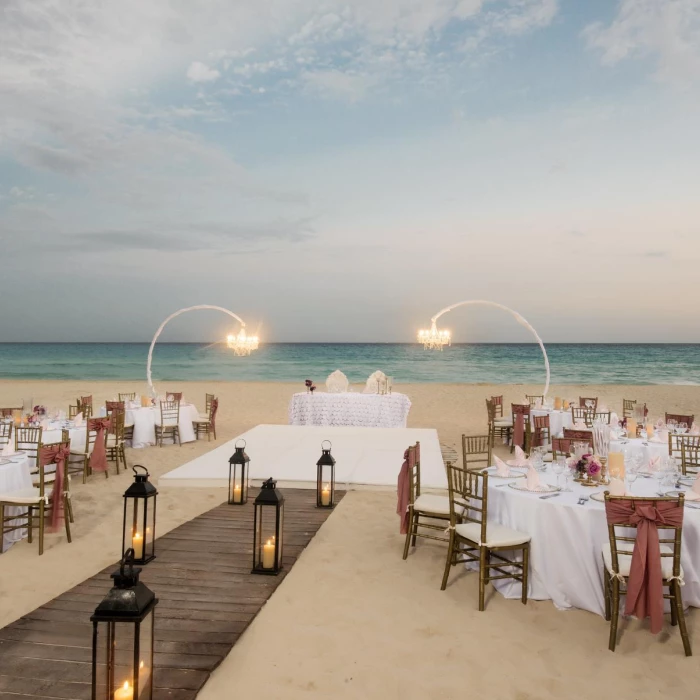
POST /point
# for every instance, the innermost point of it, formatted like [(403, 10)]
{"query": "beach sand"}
[(352, 619)]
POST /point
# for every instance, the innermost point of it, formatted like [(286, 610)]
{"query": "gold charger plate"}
[(511, 475), (544, 488)]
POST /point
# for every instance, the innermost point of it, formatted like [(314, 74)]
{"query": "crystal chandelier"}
[(242, 344), (434, 339)]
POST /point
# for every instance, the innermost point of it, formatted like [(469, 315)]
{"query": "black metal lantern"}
[(268, 535), (122, 638), (238, 475), (325, 477), (139, 531)]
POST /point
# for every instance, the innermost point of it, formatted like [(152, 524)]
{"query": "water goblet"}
[(558, 468), (632, 475)]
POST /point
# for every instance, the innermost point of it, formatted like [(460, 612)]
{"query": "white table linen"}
[(565, 558), (349, 409), (144, 422), (558, 420), (640, 446), (14, 477)]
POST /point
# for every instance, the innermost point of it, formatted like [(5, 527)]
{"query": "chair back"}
[(690, 459), (602, 416), (169, 413), (579, 435), (72, 412), (114, 406), (127, 396), (628, 407), (413, 473), (582, 415), (176, 395), (5, 433), (676, 443), (476, 451), (561, 447), (680, 418), (28, 440), (589, 402), (91, 427), (534, 400), (542, 433), (497, 402), (116, 425), (468, 486), (208, 398), (85, 400), (46, 458), (213, 409), (85, 409), (9, 412), (622, 541)]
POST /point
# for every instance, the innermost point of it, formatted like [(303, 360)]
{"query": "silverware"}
[(500, 486), (549, 495), (583, 500)]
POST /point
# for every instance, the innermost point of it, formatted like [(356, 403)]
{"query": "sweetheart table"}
[(349, 409), (566, 565)]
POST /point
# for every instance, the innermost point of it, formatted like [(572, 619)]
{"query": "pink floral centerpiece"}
[(310, 386), (587, 467)]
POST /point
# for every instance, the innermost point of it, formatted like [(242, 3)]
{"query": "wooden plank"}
[(207, 597)]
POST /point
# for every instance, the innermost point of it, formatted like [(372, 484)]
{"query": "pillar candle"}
[(566, 405), (616, 465), (268, 557), (650, 430), (137, 544), (557, 403), (326, 495), (126, 692), (236, 493), (631, 428)]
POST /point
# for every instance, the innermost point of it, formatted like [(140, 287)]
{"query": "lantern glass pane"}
[(115, 659), (145, 658), (280, 535), (150, 522), (267, 539)]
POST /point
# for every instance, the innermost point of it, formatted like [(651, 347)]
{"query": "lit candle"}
[(126, 692), (631, 428), (137, 545), (616, 465), (237, 493), (566, 405), (650, 430), (326, 495), (268, 557), (557, 403)]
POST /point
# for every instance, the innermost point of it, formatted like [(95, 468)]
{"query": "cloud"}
[(201, 73), (666, 30), (339, 85)]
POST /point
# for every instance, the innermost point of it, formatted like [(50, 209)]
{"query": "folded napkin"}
[(8, 450), (581, 426), (654, 463), (46, 424), (170, 397), (695, 430), (78, 420), (660, 423), (502, 468), (614, 420), (694, 493), (661, 437), (617, 487), (520, 459), (533, 479)]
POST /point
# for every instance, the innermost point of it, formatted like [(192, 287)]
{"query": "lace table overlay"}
[(361, 410)]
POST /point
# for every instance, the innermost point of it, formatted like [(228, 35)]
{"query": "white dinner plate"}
[(544, 488), (513, 474)]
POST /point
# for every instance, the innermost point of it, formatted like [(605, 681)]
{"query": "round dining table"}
[(566, 564), (14, 476), (558, 420), (144, 421)]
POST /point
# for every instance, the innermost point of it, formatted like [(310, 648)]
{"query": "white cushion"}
[(440, 505), (503, 423), (497, 535), (625, 560), (24, 497), (169, 423), (112, 441)]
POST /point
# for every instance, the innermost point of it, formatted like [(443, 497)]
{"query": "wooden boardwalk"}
[(207, 596)]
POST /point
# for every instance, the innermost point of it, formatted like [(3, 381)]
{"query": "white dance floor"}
[(289, 453)]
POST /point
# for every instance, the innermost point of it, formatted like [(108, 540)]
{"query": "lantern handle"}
[(139, 466), (330, 444), (127, 560), (240, 440)]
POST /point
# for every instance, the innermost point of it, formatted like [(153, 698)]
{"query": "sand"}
[(352, 619)]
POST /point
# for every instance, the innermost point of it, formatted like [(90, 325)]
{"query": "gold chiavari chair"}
[(677, 442), (579, 435), (208, 398), (79, 459), (680, 418), (50, 474), (127, 396), (207, 425), (690, 460), (474, 539), (541, 432), (427, 513), (534, 399), (517, 409), (590, 402), (5, 434), (9, 412), (85, 400), (498, 427), (73, 411), (114, 440), (28, 440), (603, 416), (582, 415), (169, 422), (561, 447), (176, 395), (111, 406), (617, 559), (85, 409), (476, 451), (628, 407), (128, 423)]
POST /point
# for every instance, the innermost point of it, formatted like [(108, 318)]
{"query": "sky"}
[(340, 170)]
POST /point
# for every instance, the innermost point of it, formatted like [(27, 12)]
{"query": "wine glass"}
[(558, 468), (631, 473)]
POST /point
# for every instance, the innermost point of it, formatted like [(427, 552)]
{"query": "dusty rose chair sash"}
[(519, 413), (56, 454), (645, 584), (98, 458), (403, 491), (214, 409)]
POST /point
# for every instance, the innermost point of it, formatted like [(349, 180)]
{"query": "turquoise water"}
[(294, 362)]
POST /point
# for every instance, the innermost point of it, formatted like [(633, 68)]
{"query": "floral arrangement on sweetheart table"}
[(310, 386)]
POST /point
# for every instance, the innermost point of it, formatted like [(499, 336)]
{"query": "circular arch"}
[(170, 318), (520, 319)]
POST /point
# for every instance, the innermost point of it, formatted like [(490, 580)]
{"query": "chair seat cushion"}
[(167, 424), (113, 442), (497, 535), (431, 503), (81, 453), (625, 561), (201, 419), (24, 497)]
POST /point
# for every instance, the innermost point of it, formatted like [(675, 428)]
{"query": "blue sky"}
[(341, 170)]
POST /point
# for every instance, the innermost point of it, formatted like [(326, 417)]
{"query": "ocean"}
[(498, 363)]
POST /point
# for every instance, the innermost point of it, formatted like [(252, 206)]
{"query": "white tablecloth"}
[(144, 422), (349, 409), (637, 446), (565, 559), (14, 476), (558, 420)]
